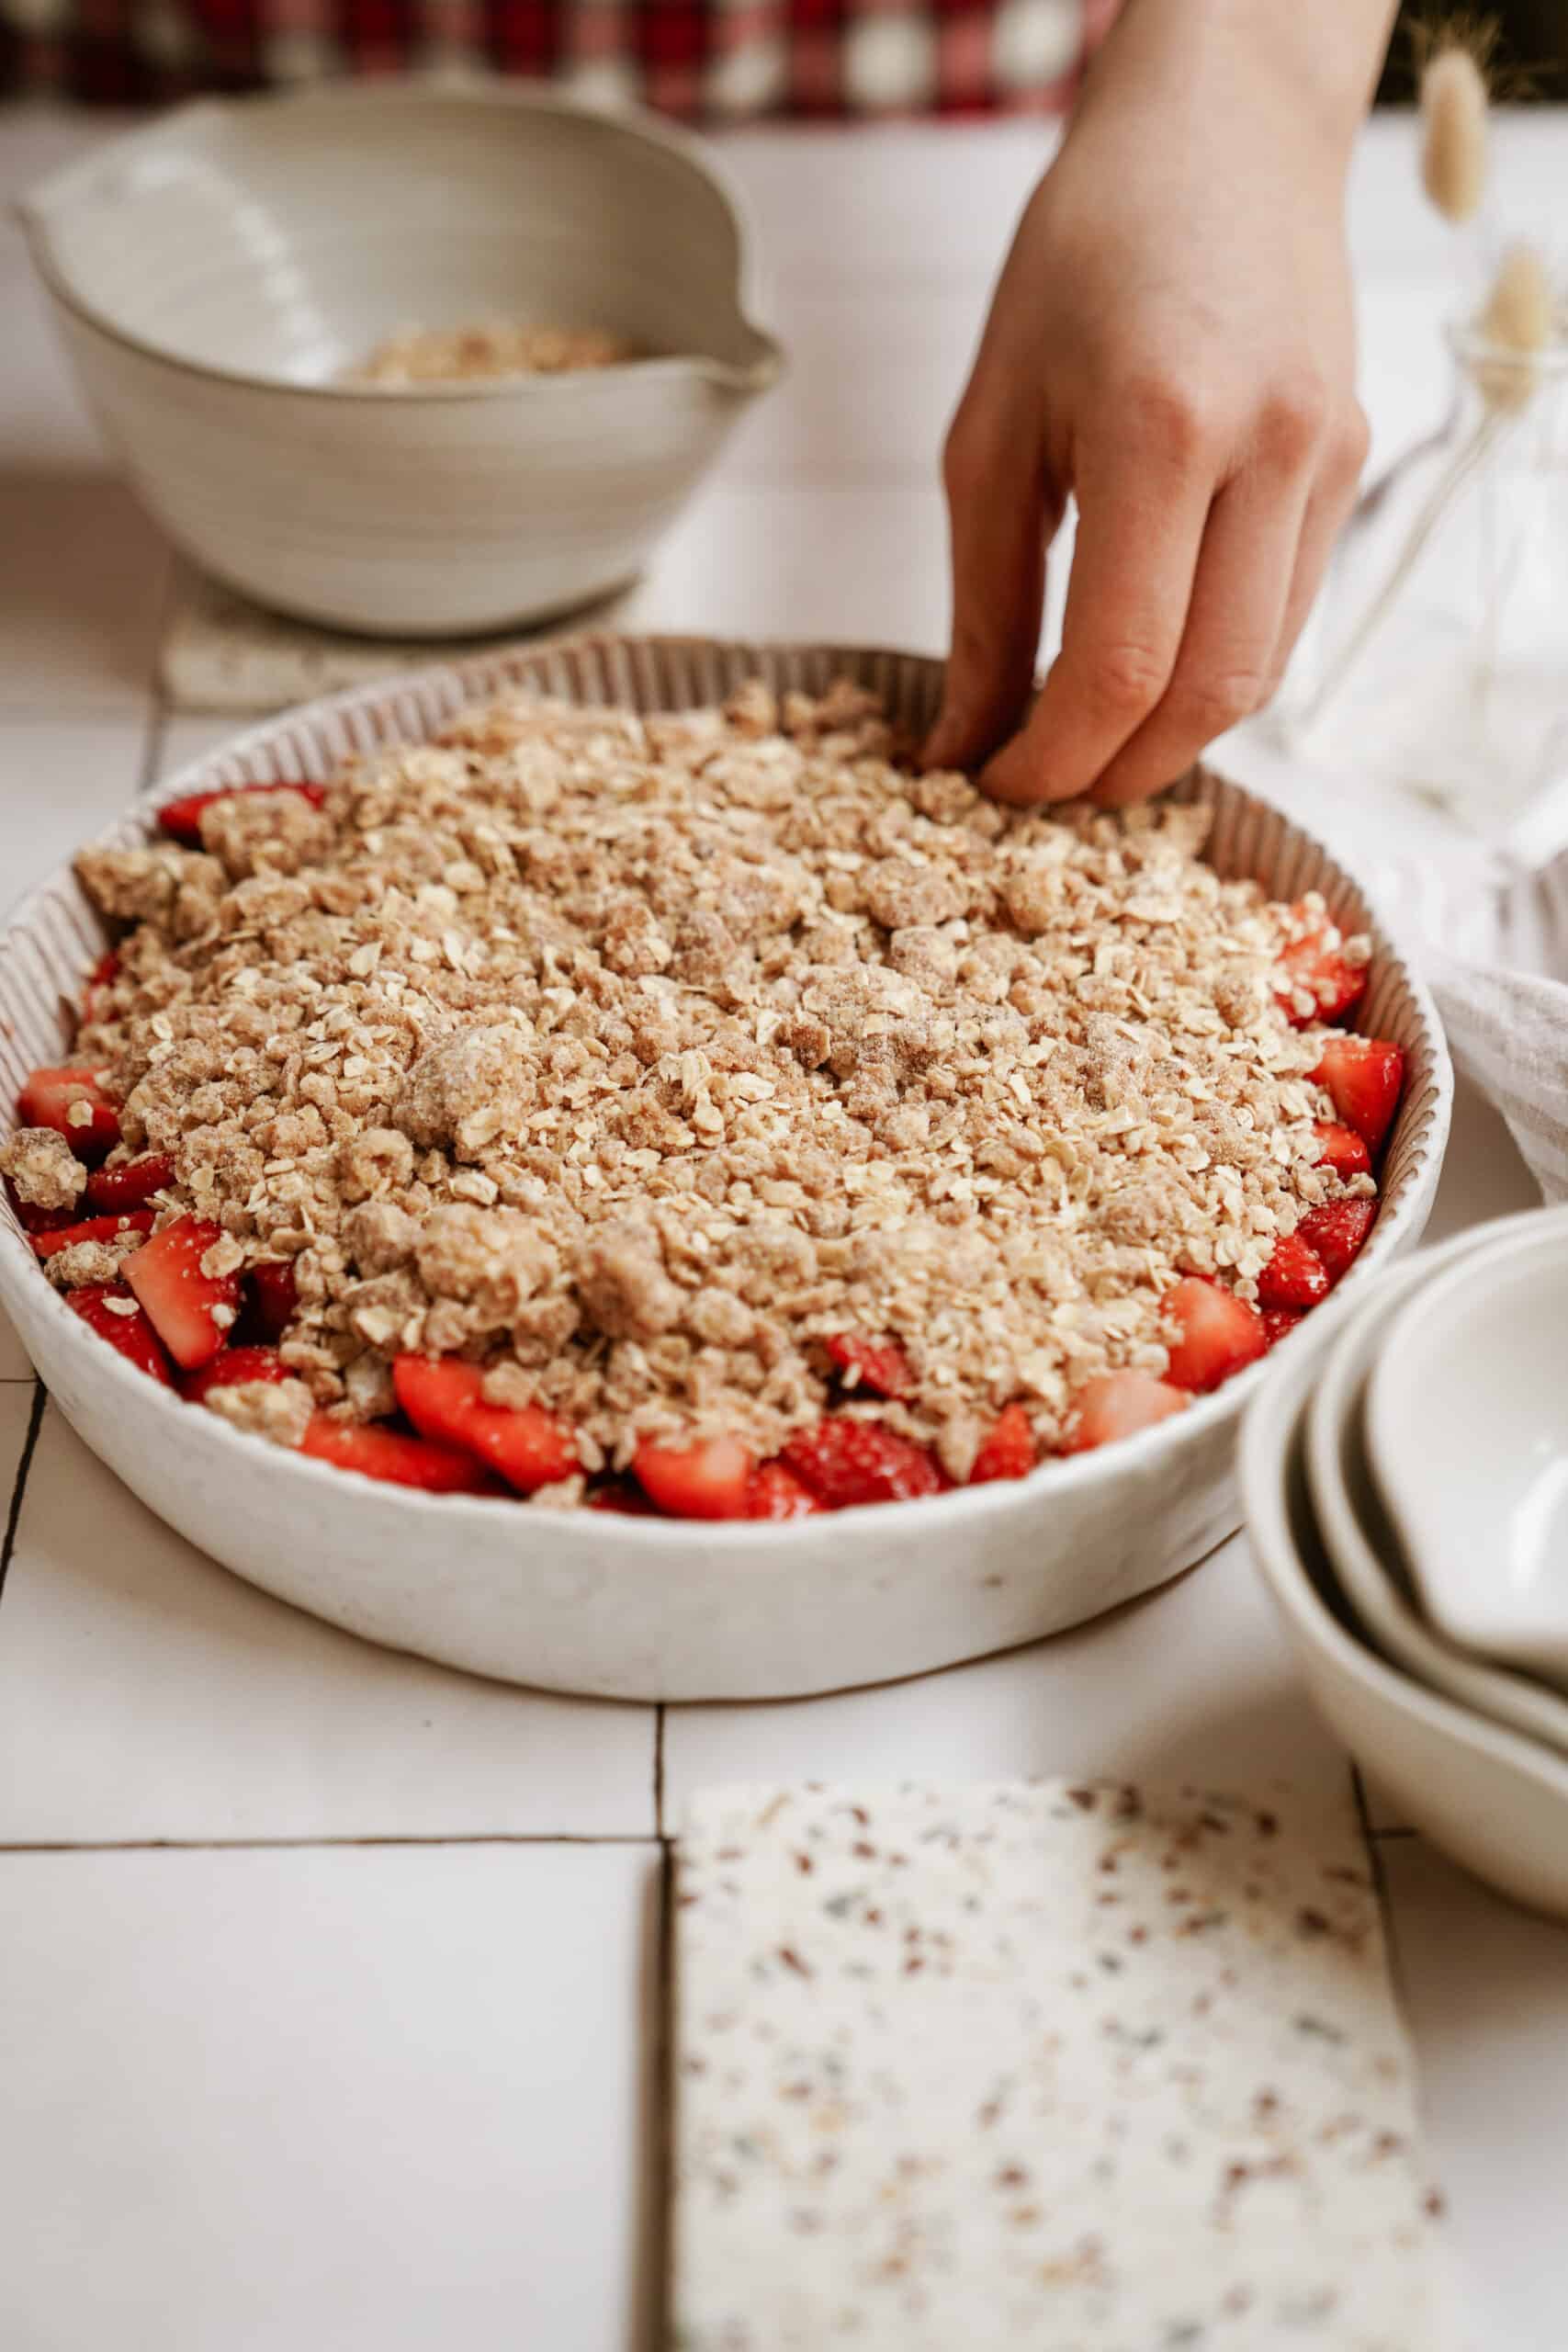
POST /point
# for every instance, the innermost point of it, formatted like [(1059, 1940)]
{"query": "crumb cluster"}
[(480, 353), (634, 1059)]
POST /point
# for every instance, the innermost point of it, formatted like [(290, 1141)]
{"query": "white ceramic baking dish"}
[(639, 1609), (214, 273)]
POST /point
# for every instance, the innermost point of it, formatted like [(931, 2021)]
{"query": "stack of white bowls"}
[(1406, 1474)]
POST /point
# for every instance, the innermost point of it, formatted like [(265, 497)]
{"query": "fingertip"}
[(1017, 775), (950, 744), (1125, 784)]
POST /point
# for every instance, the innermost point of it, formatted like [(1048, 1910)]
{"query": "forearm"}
[(1203, 58)]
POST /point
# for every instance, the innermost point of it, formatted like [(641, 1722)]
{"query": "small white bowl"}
[(214, 274), (1496, 1803), (1362, 1546), (637, 1609), (1467, 1435)]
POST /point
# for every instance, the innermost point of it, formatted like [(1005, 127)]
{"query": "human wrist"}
[(1207, 60)]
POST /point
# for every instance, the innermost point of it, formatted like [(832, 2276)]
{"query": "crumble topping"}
[(634, 1059), (479, 354), (44, 1170), (279, 1411)]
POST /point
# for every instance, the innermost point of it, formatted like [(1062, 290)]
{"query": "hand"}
[(1171, 342)]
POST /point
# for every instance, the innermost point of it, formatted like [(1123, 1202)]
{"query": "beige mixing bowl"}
[(214, 275)]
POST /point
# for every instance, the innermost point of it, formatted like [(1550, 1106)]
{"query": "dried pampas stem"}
[(1515, 324), (1514, 328), (1453, 118)]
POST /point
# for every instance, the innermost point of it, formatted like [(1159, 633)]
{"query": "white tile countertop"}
[(330, 1982)]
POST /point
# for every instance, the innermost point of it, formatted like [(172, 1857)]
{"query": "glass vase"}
[(1437, 660)]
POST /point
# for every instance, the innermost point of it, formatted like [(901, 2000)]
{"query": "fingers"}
[(998, 528), (1143, 486), (1333, 496), (1226, 661)]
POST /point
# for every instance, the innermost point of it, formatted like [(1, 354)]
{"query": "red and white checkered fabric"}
[(703, 60)]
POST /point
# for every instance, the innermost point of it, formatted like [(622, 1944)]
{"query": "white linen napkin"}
[(1484, 921)]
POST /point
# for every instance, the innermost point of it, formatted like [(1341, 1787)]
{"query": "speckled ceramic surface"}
[(213, 274), (639, 1609), (1493, 1800), (1078, 2069)]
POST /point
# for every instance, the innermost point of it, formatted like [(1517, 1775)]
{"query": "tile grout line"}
[(1380, 1884), (296, 1845), (13, 1516), (663, 2135)]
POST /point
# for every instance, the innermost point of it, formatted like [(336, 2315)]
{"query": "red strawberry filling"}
[(377, 1452), (1008, 1451), (845, 1462), (1335, 1232), (271, 1296), (1120, 1405), (192, 1311), (1317, 980), (711, 1480), (445, 1401), (774, 1492), (1216, 1334), (109, 1309), (236, 1368), (880, 1366), (1363, 1077), (1296, 1275), (52, 1240), (73, 1104), (112, 1190)]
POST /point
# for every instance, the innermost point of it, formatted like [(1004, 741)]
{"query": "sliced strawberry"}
[(1009, 1451), (1279, 1322), (90, 1228), (36, 1220), (191, 1312), (623, 1498), (103, 971), (1118, 1405), (445, 1400), (102, 1307), (1364, 1075), (1315, 965), (774, 1492), (1218, 1334), (706, 1481), (1342, 1149), (1294, 1276), (182, 819), (272, 1298), (51, 1096), (236, 1367), (880, 1366), (1336, 1233), (846, 1462), (128, 1187), (400, 1460)]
